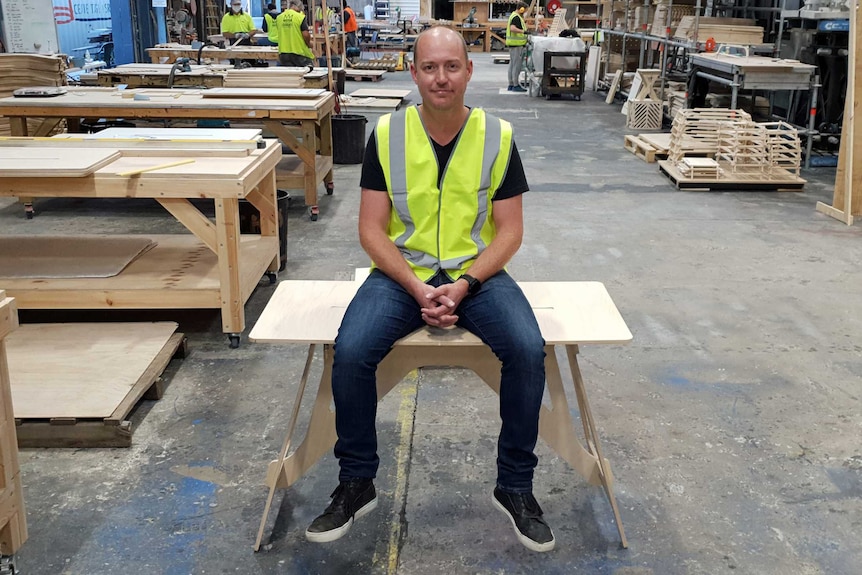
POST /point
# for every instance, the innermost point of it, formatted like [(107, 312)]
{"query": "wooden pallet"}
[(93, 420), (777, 181), (641, 149)]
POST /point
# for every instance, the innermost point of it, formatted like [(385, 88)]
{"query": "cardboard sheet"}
[(55, 257)]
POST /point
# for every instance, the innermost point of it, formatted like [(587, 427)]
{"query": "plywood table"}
[(569, 314), (310, 138), (213, 267)]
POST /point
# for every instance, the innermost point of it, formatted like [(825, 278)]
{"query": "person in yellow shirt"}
[(294, 39), (236, 24)]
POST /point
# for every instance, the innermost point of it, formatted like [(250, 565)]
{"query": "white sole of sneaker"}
[(336, 534), (525, 541)]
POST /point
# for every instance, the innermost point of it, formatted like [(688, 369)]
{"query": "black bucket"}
[(249, 222), (348, 138)]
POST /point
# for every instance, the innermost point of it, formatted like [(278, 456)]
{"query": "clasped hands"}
[(438, 304)]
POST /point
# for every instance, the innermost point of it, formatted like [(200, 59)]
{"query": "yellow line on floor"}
[(404, 421)]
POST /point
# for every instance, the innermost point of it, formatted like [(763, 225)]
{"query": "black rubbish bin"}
[(249, 222), (348, 138)]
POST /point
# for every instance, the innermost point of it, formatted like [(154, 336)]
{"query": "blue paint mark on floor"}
[(164, 529)]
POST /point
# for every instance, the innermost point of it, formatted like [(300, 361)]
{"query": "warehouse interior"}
[(179, 240)]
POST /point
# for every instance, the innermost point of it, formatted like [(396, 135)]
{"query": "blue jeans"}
[(382, 312)]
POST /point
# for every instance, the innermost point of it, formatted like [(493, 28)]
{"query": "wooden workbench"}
[(213, 267), (209, 76), (169, 54), (311, 165)]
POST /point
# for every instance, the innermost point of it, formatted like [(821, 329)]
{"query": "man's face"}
[(441, 70), (235, 7), (284, 6)]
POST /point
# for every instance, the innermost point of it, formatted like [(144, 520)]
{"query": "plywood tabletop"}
[(54, 162), (173, 100), (567, 312)]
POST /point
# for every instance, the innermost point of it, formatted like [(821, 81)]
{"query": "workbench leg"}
[(263, 197), (227, 235), (812, 114), (325, 145), (18, 127), (592, 438), (309, 142)]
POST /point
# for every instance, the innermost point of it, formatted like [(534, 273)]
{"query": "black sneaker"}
[(350, 501), (524, 512)]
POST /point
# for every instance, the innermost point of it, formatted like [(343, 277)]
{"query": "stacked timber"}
[(272, 77), (741, 152), (27, 70), (721, 30)]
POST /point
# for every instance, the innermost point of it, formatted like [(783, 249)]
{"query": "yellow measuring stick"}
[(154, 168)]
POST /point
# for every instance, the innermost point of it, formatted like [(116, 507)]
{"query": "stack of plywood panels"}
[(272, 77), (13, 521), (722, 30), (26, 70)]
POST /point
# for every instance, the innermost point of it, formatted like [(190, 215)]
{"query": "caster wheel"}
[(29, 214), (330, 187), (272, 277), (313, 213), (234, 341)]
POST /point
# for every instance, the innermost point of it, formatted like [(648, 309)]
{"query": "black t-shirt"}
[(514, 182)]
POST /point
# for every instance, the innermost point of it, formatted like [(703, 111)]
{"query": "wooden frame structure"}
[(13, 518), (847, 197), (310, 139), (569, 314), (213, 267)]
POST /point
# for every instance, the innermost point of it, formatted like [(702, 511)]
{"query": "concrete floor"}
[(732, 421)]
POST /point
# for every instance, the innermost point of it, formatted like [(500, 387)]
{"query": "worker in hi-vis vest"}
[(269, 26), (294, 39), (321, 23), (516, 39)]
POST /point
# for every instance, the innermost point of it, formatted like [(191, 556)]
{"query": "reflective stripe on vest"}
[(515, 38), (429, 224)]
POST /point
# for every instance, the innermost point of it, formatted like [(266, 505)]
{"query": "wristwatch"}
[(474, 284)]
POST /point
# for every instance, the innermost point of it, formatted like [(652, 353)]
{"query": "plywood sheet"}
[(380, 93), (220, 134), (303, 93), (55, 162), (79, 370), (56, 257)]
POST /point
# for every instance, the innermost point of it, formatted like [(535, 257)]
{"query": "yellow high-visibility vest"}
[(443, 228)]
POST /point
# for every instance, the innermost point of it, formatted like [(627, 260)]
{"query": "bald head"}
[(437, 36)]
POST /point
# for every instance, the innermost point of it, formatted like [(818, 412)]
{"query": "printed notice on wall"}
[(29, 26)]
